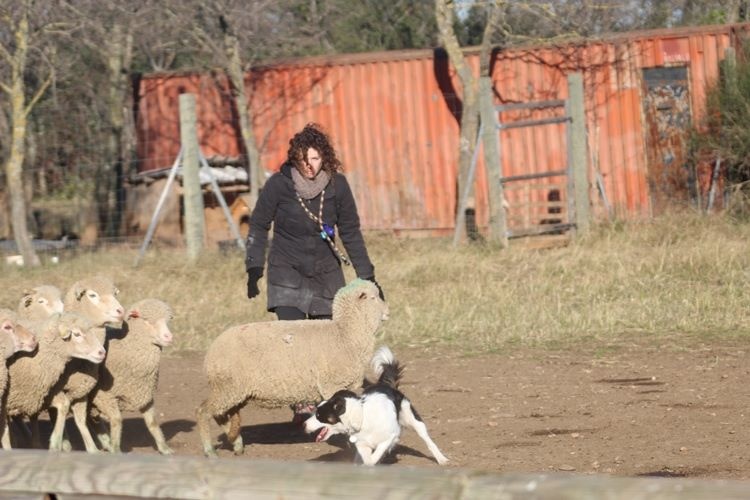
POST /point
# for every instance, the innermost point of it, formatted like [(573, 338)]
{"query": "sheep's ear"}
[(65, 333), (133, 313)]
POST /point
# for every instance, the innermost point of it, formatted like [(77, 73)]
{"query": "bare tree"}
[(226, 29), (106, 31), (444, 13), (22, 97), (737, 11)]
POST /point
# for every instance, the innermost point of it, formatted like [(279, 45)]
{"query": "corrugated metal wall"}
[(394, 118)]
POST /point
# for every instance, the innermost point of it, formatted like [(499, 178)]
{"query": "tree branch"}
[(5, 54), (485, 52), (39, 93)]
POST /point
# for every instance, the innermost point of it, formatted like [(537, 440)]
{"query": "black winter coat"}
[(303, 270)]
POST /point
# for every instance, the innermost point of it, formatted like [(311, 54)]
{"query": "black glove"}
[(380, 290), (253, 275)]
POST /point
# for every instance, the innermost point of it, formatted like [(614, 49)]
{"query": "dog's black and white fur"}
[(374, 420)]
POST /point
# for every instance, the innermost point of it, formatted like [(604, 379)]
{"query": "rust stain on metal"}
[(667, 110)]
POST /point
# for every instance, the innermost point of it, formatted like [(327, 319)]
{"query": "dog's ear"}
[(339, 406)]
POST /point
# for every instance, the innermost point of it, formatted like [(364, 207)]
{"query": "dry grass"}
[(678, 276)]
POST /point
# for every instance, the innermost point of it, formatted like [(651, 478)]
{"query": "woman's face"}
[(311, 163)]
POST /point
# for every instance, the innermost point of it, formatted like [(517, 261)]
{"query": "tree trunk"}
[(14, 165), (469, 102), (5, 226), (470, 99), (109, 191), (237, 82)]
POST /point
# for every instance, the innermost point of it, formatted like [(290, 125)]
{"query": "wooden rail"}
[(35, 474)]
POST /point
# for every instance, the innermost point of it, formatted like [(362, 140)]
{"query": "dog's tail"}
[(385, 367)]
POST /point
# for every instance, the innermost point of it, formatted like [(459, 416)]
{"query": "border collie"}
[(374, 420)]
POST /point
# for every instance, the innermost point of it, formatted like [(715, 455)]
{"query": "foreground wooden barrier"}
[(35, 474)]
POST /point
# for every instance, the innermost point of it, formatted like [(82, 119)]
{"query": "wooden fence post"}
[(192, 192), (498, 230), (577, 152)]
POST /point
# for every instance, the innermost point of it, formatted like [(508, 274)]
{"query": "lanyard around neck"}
[(327, 232)]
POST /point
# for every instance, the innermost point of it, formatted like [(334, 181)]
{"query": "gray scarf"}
[(309, 188)]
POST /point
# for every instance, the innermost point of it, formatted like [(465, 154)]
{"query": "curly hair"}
[(313, 136)]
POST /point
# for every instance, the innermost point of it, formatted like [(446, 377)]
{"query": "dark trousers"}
[(288, 313)]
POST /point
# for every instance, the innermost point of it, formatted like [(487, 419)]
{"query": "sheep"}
[(277, 363), (14, 337), (96, 299), (40, 303), (129, 375), (36, 304), (30, 378)]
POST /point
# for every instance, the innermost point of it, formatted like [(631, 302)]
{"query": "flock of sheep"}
[(86, 354), (91, 357)]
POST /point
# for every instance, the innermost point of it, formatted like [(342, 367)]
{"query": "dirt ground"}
[(635, 410)]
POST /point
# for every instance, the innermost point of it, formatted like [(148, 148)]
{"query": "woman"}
[(307, 200)]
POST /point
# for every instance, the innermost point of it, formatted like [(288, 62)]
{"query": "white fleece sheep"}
[(30, 377), (40, 302), (14, 337), (95, 299), (129, 376), (277, 363)]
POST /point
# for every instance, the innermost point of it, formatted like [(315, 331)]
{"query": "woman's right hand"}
[(253, 275)]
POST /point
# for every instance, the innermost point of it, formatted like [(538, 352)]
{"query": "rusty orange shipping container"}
[(394, 119)]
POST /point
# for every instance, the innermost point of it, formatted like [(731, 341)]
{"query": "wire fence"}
[(90, 207)]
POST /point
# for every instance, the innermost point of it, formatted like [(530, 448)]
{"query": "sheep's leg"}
[(115, 429), (101, 431), (107, 409), (4, 429), (36, 433), (232, 428), (203, 416), (80, 411), (155, 430), (17, 426), (409, 418), (52, 414), (5, 439), (61, 403)]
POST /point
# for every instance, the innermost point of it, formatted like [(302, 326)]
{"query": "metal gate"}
[(538, 203)]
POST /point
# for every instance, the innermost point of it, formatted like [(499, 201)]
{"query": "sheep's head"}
[(96, 298), (40, 302), (360, 298), (79, 336), (15, 336), (152, 316)]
